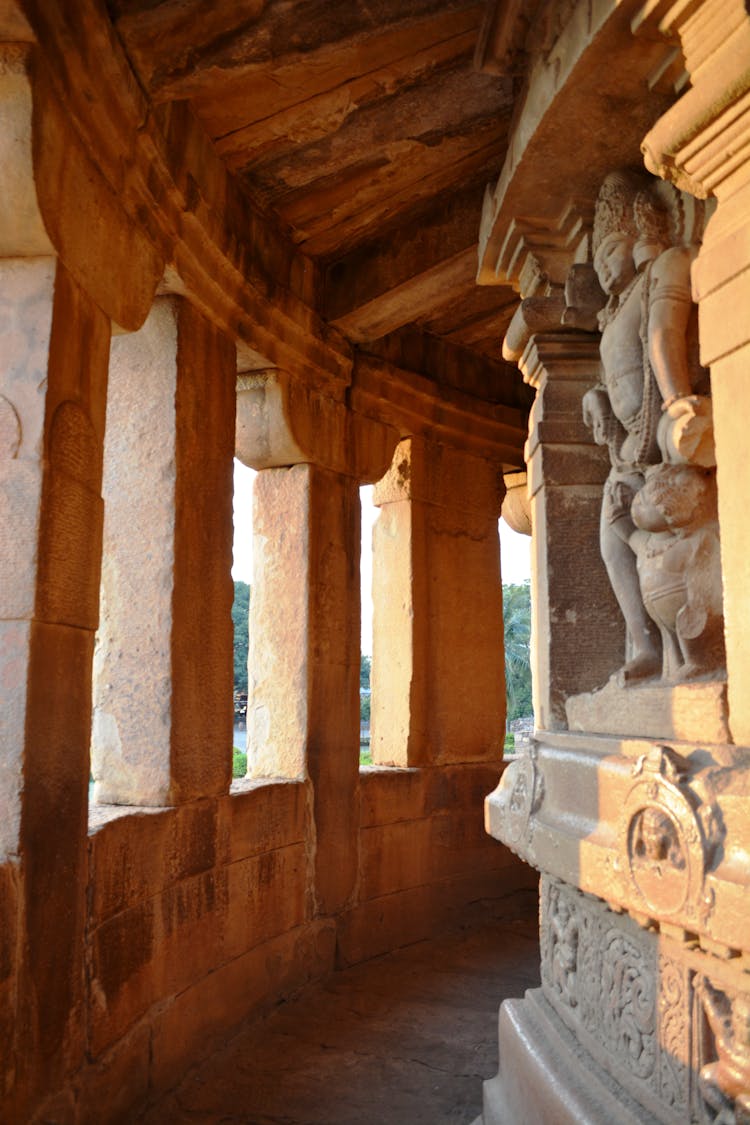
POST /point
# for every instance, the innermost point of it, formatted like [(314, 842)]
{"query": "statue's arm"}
[(670, 306)]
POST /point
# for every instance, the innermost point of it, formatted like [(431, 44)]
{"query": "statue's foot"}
[(641, 667), (692, 670)]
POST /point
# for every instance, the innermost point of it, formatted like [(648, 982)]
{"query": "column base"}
[(547, 1078)]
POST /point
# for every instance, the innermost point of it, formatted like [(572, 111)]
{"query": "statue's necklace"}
[(616, 302)]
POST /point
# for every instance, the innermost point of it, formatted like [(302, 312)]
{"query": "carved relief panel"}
[(649, 1010)]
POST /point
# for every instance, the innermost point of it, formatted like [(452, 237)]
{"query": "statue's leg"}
[(620, 562)]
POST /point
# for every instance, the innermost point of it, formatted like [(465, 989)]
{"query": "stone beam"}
[(267, 109), (407, 402), (388, 283), (479, 321), (175, 63), (411, 299), (172, 190), (449, 365)]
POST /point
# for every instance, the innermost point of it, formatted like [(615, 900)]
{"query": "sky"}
[(514, 548)]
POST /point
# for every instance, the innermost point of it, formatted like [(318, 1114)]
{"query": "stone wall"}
[(199, 916)]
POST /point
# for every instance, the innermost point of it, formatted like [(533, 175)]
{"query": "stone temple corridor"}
[(490, 257), (404, 1039)]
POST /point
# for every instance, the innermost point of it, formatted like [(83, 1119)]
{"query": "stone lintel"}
[(413, 404)]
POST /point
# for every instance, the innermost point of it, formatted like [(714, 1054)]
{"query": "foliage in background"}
[(240, 612), (517, 621), (239, 762), (365, 667)]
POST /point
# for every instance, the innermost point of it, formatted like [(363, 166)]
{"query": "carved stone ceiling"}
[(366, 130)]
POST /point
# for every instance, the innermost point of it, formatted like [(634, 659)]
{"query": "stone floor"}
[(405, 1039)]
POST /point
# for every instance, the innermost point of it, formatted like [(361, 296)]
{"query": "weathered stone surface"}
[(258, 980), (694, 712), (134, 858), (304, 647), (436, 591), (267, 896), (401, 1038), (22, 231), (121, 953), (260, 816), (162, 729)]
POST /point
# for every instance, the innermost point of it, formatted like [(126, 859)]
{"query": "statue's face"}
[(614, 263)]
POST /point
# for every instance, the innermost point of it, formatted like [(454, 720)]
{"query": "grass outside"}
[(239, 759)]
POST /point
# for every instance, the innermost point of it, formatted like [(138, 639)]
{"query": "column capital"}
[(281, 422), (428, 472)]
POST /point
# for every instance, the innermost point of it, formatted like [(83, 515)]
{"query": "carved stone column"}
[(303, 697), (162, 729), (56, 327), (577, 632), (437, 631), (52, 395)]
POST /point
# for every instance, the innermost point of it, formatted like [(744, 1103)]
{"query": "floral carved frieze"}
[(667, 1020)]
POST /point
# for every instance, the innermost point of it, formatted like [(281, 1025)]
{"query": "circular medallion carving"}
[(662, 838), (658, 861)]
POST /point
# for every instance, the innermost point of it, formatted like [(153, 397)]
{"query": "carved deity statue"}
[(653, 412), (725, 1083)]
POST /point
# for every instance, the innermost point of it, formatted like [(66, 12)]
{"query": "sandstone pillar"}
[(162, 729), (53, 374), (438, 675), (303, 665), (577, 631)]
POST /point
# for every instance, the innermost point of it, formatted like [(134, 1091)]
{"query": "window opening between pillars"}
[(515, 551), (369, 516), (242, 576)]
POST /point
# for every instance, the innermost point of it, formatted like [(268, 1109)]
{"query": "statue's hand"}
[(686, 431)]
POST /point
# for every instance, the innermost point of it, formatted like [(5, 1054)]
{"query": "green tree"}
[(365, 667), (517, 629), (240, 614)]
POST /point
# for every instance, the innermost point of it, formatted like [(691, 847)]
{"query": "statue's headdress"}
[(614, 211)]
